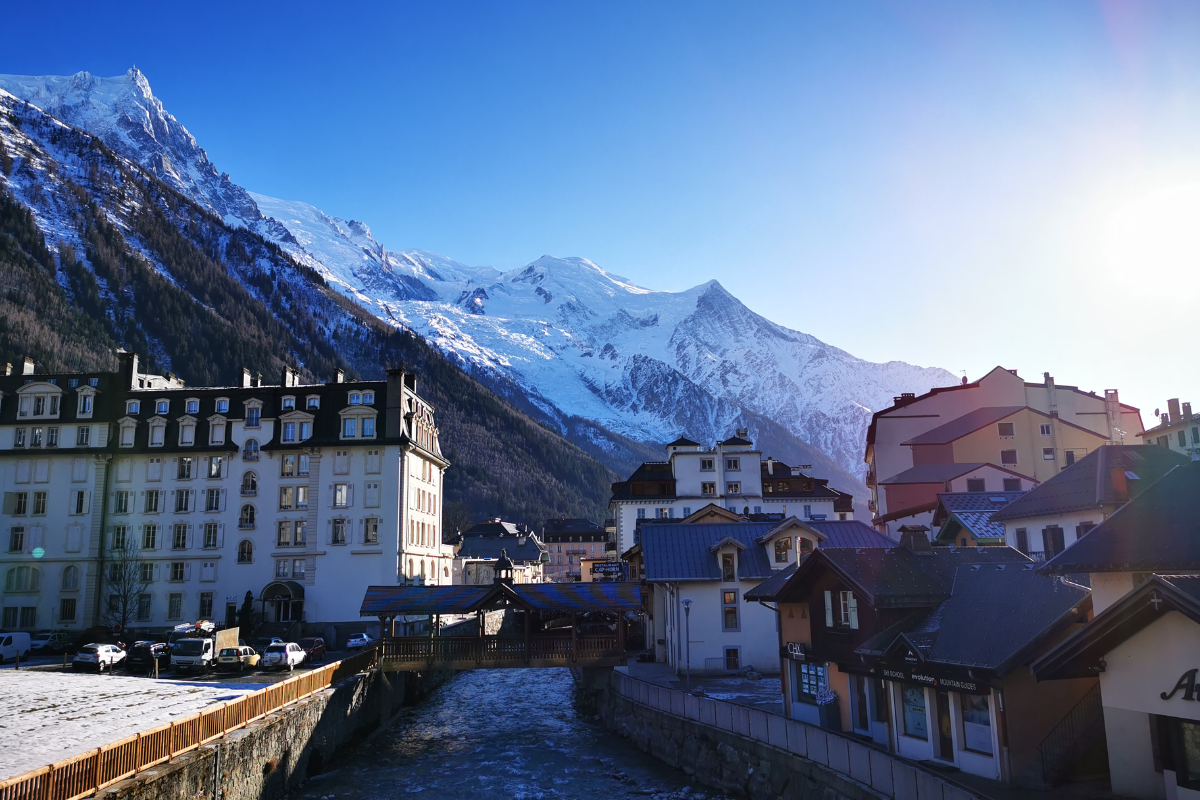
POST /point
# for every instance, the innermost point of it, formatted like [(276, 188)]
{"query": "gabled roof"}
[(972, 511), (895, 577), (1080, 654), (714, 509), (1088, 483), (738, 441), (766, 590), (491, 528), (683, 441), (680, 551), (940, 473), (521, 549), (995, 617), (959, 427), (848, 533), (1157, 531)]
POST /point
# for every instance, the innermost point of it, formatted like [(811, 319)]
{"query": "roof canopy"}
[(391, 601)]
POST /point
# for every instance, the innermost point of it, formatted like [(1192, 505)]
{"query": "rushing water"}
[(499, 735)]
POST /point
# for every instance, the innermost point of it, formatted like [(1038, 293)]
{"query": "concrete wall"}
[(280, 752), (769, 757)]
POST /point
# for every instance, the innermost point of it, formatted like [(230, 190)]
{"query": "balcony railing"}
[(501, 651), (249, 455)]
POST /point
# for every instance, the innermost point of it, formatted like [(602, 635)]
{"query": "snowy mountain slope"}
[(578, 341)]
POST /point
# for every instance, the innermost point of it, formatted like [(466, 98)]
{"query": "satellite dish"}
[(1156, 413)]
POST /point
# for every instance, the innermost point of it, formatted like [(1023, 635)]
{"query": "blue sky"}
[(960, 184)]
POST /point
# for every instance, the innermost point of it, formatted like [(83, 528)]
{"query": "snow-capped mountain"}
[(580, 341)]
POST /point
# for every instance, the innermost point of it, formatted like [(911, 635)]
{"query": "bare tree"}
[(129, 575), (456, 518)]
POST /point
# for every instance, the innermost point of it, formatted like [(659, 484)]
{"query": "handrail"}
[(401, 649), (1071, 736), (868, 764), (81, 775)]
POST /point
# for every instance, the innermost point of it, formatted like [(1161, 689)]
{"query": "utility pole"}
[(687, 637)]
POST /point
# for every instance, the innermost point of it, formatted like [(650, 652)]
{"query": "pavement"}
[(765, 693)]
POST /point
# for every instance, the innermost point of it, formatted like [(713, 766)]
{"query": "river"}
[(499, 735)]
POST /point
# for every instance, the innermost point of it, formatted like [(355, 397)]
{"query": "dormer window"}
[(84, 408), (127, 429), (133, 407), (289, 432), (368, 398), (187, 433), (158, 432), (305, 431), (162, 407), (783, 550), (39, 405), (368, 428), (192, 406), (54, 405), (222, 405), (289, 403), (355, 398), (349, 426), (72, 383), (93, 382), (728, 568), (252, 417), (216, 430), (313, 401)]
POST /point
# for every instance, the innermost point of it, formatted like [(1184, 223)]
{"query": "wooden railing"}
[(84, 774), (499, 650)]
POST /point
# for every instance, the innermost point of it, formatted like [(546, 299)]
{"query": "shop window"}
[(977, 723), (916, 723), (810, 679)]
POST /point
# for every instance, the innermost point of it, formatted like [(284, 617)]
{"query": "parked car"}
[(51, 642), (193, 655), (282, 656), (237, 658), (358, 641), (313, 647), (13, 645), (98, 656), (143, 654), (263, 642)]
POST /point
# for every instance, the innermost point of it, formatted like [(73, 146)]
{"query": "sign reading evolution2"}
[(916, 676)]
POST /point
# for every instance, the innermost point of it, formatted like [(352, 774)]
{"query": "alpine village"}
[(266, 532)]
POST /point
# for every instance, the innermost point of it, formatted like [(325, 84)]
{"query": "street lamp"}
[(687, 637)]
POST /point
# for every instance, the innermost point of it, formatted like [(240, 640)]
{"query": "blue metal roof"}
[(420, 600), (679, 552), (849, 533)]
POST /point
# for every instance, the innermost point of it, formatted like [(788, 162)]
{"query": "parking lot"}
[(55, 712)]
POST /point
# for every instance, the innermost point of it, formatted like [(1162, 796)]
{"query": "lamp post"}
[(687, 637)]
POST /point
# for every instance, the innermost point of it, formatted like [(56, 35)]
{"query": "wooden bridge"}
[(557, 625)]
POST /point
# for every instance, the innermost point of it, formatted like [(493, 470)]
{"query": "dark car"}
[(143, 655), (313, 647), (263, 642)]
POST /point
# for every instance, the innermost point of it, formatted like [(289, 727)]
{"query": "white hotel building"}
[(300, 494)]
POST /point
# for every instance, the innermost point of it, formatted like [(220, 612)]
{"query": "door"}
[(862, 716), (231, 615), (945, 738), (1052, 541)]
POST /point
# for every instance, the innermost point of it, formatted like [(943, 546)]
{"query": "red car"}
[(313, 647)]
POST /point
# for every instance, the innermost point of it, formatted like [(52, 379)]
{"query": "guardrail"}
[(86, 773), (870, 766)]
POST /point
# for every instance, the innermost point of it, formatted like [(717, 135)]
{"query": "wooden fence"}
[(81, 775)]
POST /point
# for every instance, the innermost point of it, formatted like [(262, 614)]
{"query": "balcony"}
[(249, 455), (247, 492), (870, 481)]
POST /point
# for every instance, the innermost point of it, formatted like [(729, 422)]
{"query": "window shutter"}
[(10, 502), (174, 499), (224, 492), (828, 609), (205, 466), (332, 497), (853, 603), (156, 572), (187, 542), (74, 539), (191, 500), (187, 570), (221, 534), (349, 495)]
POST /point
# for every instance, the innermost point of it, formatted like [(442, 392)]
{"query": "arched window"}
[(446, 571), (422, 570), (246, 520), (249, 484), (410, 568), (250, 450), (70, 579), (23, 579), (245, 551)]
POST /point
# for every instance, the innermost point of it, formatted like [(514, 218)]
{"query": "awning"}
[(289, 590)]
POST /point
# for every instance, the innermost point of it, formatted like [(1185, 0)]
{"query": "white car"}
[(282, 656), (359, 640), (98, 656)]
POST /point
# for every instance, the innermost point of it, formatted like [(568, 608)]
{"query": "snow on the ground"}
[(49, 716)]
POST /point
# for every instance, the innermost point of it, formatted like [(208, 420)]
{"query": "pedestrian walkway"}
[(764, 693)]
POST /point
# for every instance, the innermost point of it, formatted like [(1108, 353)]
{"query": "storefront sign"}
[(925, 679), (1186, 682), (795, 651), (613, 569)]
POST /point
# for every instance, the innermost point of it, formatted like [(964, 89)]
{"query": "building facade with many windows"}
[(301, 495)]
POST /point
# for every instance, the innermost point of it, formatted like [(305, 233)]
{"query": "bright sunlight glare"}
[(1157, 234)]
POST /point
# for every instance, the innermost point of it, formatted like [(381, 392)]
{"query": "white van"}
[(12, 645)]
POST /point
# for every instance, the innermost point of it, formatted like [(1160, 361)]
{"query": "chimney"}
[(393, 414), (770, 466), (127, 365), (246, 383), (256, 381), (410, 382), (1112, 405), (1165, 418), (7, 368), (1120, 483), (916, 541), (1173, 408), (339, 376), (1052, 394), (1187, 412), (27, 369)]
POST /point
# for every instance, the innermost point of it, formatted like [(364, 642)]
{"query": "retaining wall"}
[(279, 752), (751, 753)]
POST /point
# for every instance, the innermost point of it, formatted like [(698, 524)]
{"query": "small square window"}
[(1008, 457), (355, 398), (223, 405), (162, 407), (314, 401), (368, 398), (132, 407), (1045, 430), (1047, 454), (193, 406), (1006, 429)]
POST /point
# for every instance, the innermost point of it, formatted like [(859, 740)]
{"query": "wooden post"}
[(574, 636), (528, 655), (481, 615)]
